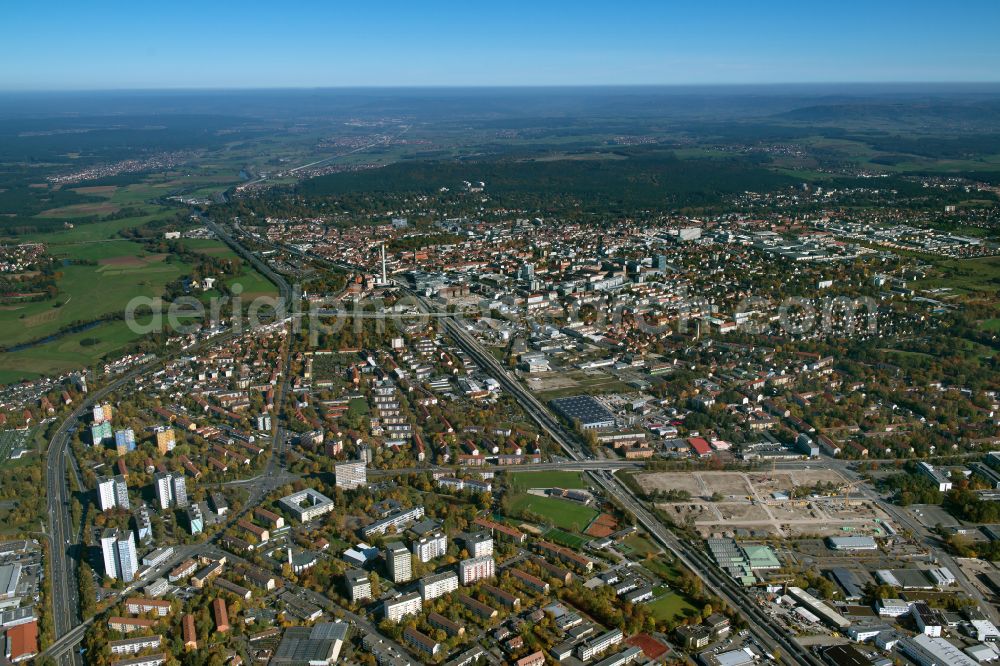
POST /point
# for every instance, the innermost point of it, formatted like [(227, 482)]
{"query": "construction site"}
[(768, 503)]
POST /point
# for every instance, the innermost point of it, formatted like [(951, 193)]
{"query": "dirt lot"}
[(748, 503), (732, 485)]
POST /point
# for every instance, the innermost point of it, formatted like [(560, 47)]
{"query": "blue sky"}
[(102, 45)]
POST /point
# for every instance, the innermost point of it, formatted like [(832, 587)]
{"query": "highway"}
[(63, 538)]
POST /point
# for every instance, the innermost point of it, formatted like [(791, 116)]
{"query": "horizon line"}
[(521, 86)]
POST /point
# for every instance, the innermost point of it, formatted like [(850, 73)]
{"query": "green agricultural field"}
[(88, 293), (564, 514), (70, 352), (963, 275), (214, 248), (521, 481)]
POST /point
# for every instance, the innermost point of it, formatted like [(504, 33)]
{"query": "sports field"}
[(521, 481), (564, 514), (564, 538), (670, 606)]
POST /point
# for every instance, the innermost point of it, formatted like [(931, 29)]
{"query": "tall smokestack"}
[(384, 279)]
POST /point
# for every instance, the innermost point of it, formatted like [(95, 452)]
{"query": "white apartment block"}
[(429, 547), (398, 608), (476, 568), (432, 587), (398, 562)]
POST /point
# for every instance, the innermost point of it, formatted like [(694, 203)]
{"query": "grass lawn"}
[(254, 284), (639, 545), (565, 538), (565, 514), (521, 481), (991, 325), (357, 407), (671, 606)]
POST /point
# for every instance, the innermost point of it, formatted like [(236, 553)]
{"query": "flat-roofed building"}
[(927, 650), (351, 475), (307, 504), (319, 645), (359, 586), (398, 562), (398, 608), (135, 645), (475, 569), (437, 585), (430, 546), (599, 644), (143, 660)]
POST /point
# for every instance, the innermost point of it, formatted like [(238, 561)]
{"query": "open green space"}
[(521, 481), (638, 545), (564, 538), (592, 383), (88, 293), (564, 514), (964, 275), (70, 352), (671, 606)]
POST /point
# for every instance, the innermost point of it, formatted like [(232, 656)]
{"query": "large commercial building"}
[(398, 562), (118, 551), (319, 645), (585, 411), (351, 475), (438, 585), (307, 504), (476, 569), (932, 651)]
